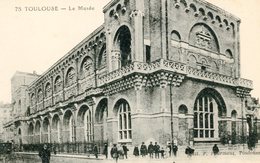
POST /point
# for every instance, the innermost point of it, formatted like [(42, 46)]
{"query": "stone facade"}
[(151, 64)]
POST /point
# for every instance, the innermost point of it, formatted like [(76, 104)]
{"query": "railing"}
[(69, 147)]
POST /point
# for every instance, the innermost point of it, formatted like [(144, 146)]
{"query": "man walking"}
[(143, 150), (150, 149), (95, 150), (45, 154), (114, 152), (125, 149), (105, 152), (156, 150), (175, 149)]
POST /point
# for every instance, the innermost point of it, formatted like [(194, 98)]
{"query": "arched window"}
[(40, 95), (56, 128), (102, 58), (229, 53), (68, 123), (87, 67), (122, 43), (70, 77), (175, 36), (209, 106), (124, 121), (85, 122), (57, 84), (204, 117), (202, 36), (48, 90), (233, 126)]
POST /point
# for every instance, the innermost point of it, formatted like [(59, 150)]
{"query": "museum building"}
[(155, 70)]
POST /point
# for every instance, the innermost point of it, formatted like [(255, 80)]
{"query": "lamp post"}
[(171, 107), (242, 112)]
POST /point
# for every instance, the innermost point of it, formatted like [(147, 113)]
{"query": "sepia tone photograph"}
[(129, 81)]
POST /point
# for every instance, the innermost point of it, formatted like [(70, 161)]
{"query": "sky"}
[(34, 41)]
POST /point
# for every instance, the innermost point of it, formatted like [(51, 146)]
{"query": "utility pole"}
[(171, 117)]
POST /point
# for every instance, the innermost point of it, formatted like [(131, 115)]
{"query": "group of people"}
[(121, 151), (155, 151)]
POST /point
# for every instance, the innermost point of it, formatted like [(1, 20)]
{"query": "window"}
[(204, 118), (148, 53), (124, 121), (88, 126)]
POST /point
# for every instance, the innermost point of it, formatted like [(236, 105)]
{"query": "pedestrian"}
[(169, 149), (143, 150), (189, 151), (125, 149), (45, 154), (150, 149), (162, 152), (175, 149), (156, 150), (95, 150), (136, 151), (114, 152), (120, 152), (105, 151), (215, 149), (54, 149)]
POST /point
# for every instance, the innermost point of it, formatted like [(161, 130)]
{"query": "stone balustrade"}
[(177, 67)]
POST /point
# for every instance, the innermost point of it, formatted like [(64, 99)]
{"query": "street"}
[(244, 158)]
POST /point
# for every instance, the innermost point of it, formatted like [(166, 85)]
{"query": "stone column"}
[(115, 59)]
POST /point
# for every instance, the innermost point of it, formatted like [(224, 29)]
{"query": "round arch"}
[(209, 107), (85, 122), (122, 111), (56, 126), (46, 130), (201, 35), (37, 132), (101, 110), (68, 123), (183, 109), (122, 42)]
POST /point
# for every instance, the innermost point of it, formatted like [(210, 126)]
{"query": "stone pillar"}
[(237, 49), (115, 59), (138, 15), (109, 44)]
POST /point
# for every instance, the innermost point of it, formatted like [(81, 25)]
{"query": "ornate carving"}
[(203, 39)]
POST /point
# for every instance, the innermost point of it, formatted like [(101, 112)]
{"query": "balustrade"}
[(172, 66)]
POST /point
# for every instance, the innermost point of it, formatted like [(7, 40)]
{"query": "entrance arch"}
[(209, 108)]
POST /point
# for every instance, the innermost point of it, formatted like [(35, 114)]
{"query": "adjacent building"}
[(5, 113), (156, 70)]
